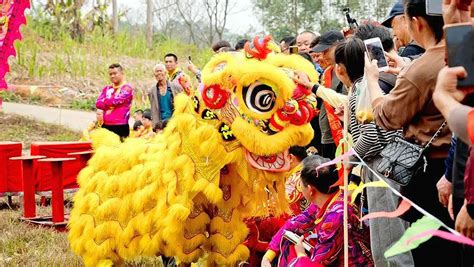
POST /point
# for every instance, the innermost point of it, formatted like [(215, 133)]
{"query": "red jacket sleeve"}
[(470, 125), (469, 179)]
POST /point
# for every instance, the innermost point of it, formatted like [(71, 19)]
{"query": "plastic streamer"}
[(402, 208), (443, 234), (420, 231)]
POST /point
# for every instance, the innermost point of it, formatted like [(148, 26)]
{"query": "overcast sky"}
[(239, 21)]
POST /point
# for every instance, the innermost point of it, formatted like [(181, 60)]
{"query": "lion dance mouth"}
[(274, 163)]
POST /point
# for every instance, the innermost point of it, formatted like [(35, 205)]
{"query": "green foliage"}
[(9, 96), (83, 104), (71, 57), (286, 18), (34, 99), (45, 54)]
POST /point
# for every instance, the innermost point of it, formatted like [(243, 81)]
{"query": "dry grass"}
[(22, 244), (26, 245)]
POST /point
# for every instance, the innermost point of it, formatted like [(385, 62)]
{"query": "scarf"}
[(334, 122)]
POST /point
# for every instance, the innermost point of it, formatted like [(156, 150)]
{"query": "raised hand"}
[(456, 11)]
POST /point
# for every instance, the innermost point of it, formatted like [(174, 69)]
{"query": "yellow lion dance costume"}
[(186, 192)]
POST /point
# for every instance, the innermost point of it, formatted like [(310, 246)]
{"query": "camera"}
[(352, 21)]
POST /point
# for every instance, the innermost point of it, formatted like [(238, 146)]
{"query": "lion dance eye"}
[(259, 97), (214, 96)]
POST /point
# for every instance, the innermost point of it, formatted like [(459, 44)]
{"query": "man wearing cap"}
[(401, 35), (330, 125)]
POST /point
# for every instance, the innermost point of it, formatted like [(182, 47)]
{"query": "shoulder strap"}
[(388, 78), (435, 135)]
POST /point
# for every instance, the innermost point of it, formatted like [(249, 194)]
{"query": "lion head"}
[(268, 111)]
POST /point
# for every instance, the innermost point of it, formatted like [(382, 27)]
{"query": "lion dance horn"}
[(260, 47)]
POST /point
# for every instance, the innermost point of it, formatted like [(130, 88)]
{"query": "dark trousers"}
[(121, 130), (422, 190)]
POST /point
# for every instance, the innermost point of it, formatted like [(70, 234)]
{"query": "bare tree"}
[(189, 11), (115, 15), (217, 12), (210, 16), (205, 20), (149, 23), (165, 12)]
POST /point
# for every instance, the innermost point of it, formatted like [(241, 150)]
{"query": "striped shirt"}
[(369, 139)]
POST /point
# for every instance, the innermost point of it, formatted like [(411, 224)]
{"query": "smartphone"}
[(293, 49), (375, 51), (460, 50), (434, 7), (294, 238), (189, 58)]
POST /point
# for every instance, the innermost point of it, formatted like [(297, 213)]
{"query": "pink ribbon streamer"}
[(402, 208), (442, 234), (337, 159)]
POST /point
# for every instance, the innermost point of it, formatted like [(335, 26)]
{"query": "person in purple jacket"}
[(321, 225), (116, 101)]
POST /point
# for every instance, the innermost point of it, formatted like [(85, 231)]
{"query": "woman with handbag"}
[(417, 161), (369, 140)]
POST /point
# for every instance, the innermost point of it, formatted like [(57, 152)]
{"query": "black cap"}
[(327, 40), (396, 10)]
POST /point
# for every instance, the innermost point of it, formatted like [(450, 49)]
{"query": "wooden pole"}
[(346, 181)]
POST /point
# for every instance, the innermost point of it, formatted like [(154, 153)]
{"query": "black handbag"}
[(400, 160)]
